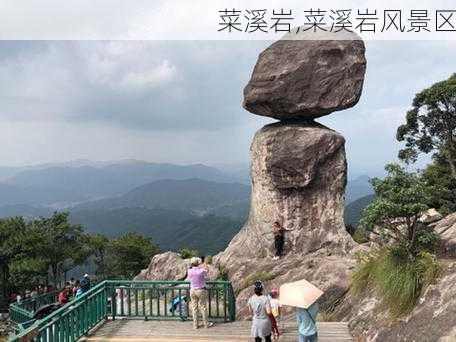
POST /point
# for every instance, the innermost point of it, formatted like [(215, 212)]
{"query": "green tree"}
[(21, 259), (393, 214), (438, 174), (129, 254), (10, 246), (431, 124), (99, 245), (64, 245)]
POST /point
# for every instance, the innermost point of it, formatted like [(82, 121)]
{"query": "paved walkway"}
[(174, 331)]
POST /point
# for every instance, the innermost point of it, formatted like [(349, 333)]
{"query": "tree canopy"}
[(122, 257), (399, 199), (431, 124)]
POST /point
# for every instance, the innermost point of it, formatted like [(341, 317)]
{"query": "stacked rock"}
[(298, 166)]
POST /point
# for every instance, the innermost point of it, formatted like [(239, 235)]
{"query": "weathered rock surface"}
[(170, 266), (433, 318), (300, 78), (446, 229), (430, 216), (298, 173)]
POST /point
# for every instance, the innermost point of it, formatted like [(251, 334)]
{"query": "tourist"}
[(179, 305), (275, 311), (63, 296), (197, 274), (260, 308), (306, 323), (85, 283), (279, 239), (77, 285), (79, 292), (72, 282)]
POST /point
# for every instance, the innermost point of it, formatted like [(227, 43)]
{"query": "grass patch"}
[(397, 279), (326, 316), (187, 253), (360, 235), (251, 278)]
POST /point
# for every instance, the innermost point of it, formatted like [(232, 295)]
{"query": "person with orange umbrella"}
[(303, 295)]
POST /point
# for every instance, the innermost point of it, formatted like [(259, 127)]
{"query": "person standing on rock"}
[(197, 275), (279, 239), (260, 309)]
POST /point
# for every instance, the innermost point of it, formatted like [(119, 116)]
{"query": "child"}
[(180, 306), (275, 311)]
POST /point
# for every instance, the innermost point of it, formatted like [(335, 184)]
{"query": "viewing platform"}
[(173, 331), (122, 311)]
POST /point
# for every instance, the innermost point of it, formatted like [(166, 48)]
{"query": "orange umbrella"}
[(301, 294)]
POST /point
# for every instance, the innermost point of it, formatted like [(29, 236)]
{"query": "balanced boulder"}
[(307, 75)]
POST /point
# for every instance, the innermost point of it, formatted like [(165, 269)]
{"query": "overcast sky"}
[(180, 101)]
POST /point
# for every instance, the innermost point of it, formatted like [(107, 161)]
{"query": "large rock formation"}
[(298, 174), (298, 168), (298, 171), (170, 266), (308, 76)]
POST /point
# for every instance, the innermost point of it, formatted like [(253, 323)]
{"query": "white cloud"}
[(147, 79), (112, 100)]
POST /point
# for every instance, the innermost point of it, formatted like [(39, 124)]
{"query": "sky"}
[(180, 101)]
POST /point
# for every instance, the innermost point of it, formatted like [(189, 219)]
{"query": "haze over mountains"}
[(195, 206)]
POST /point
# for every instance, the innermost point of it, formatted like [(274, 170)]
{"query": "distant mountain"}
[(24, 210), (208, 234), (193, 195), (11, 194), (111, 179), (354, 209), (157, 223), (237, 210), (357, 188), (8, 172), (170, 229)]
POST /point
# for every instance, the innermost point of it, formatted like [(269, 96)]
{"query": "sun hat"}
[(195, 261)]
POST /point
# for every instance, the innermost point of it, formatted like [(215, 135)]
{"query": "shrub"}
[(223, 273), (360, 235), (363, 276), (187, 253), (397, 279), (250, 279)]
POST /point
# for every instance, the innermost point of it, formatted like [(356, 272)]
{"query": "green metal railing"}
[(25, 309), (127, 299)]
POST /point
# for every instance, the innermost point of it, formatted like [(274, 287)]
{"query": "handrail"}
[(24, 310), (129, 299)]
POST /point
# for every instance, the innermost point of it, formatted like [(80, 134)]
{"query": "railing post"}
[(113, 303)]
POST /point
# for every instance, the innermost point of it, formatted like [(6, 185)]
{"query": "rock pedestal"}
[(298, 173)]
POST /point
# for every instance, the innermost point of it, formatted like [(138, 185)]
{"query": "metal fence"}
[(159, 300)]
